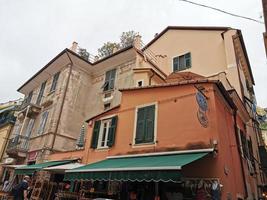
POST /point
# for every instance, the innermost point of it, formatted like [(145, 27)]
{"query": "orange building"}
[(188, 132)]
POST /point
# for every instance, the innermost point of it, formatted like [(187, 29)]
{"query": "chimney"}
[(96, 58), (74, 47), (114, 49), (137, 42)]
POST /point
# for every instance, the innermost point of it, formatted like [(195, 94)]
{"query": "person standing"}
[(20, 191)]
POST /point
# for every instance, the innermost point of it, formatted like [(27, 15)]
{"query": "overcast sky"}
[(33, 32)]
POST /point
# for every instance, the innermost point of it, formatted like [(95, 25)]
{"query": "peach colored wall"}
[(66, 155), (178, 128)]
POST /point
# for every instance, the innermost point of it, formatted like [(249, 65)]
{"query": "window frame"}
[(29, 97), (54, 82), (178, 56), (43, 124), (100, 135), (107, 83), (154, 142)]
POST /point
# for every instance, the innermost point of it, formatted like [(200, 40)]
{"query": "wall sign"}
[(202, 101), (203, 107)]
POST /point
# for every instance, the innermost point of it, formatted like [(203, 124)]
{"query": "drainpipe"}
[(62, 104), (240, 156), (150, 77)]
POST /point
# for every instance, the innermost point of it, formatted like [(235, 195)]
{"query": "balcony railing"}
[(7, 119), (18, 144)]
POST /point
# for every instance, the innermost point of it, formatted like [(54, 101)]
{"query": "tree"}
[(107, 49), (83, 53), (127, 38)]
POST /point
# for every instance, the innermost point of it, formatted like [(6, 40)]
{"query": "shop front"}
[(156, 176)]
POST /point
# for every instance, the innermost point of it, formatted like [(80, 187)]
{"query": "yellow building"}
[(7, 120)]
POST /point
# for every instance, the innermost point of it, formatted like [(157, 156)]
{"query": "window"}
[(29, 98), (104, 133), (109, 80), (54, 83), (140, 83), (43, 123), (145, 125), (41, 93), (29, 128), (182, 62)]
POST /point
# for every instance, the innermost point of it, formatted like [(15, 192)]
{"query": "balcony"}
[(18, 146), (7, 119), (29, 109)]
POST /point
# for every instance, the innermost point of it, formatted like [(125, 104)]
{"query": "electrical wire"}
[(222, 11)]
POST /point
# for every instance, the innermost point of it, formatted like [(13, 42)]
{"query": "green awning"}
[(30, 169), (142, 168)]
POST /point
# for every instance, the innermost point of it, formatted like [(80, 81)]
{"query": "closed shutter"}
[(109, 80), (94, 140), (140, 127), (150, 116), (112, 131)]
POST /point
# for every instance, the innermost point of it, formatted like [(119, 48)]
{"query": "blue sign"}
[(202, 101)]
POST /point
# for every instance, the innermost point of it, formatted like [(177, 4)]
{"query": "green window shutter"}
[(112, 131), (175, 64), (188, 60), (140, 126), (149, 128), (96, 130)]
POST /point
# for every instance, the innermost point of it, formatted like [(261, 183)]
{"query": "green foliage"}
[(127, 38), (107, 49), (83, 53)]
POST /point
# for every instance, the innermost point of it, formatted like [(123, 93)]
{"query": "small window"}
[(182, 62), (43, 123), (106, 106), (54, 83), (109, 80), (139, 83), (145, 125), (41, 93), (104, 133)]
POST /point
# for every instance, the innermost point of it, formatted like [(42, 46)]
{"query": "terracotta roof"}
[(199, 28)]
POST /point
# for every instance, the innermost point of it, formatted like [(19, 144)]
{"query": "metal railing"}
[(7, 119), (19, 143)]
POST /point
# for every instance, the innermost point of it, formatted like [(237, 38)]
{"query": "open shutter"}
[(149, 129), (112, 131), (188, 60), (140, 126), (175, 64), (94, 140)]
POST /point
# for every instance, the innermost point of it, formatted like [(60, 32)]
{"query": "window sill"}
[(149, 144), (50, 93), (99, 149)]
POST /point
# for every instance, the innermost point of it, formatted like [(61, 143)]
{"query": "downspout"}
[(240, 156), (62, 104), (150, 77)]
